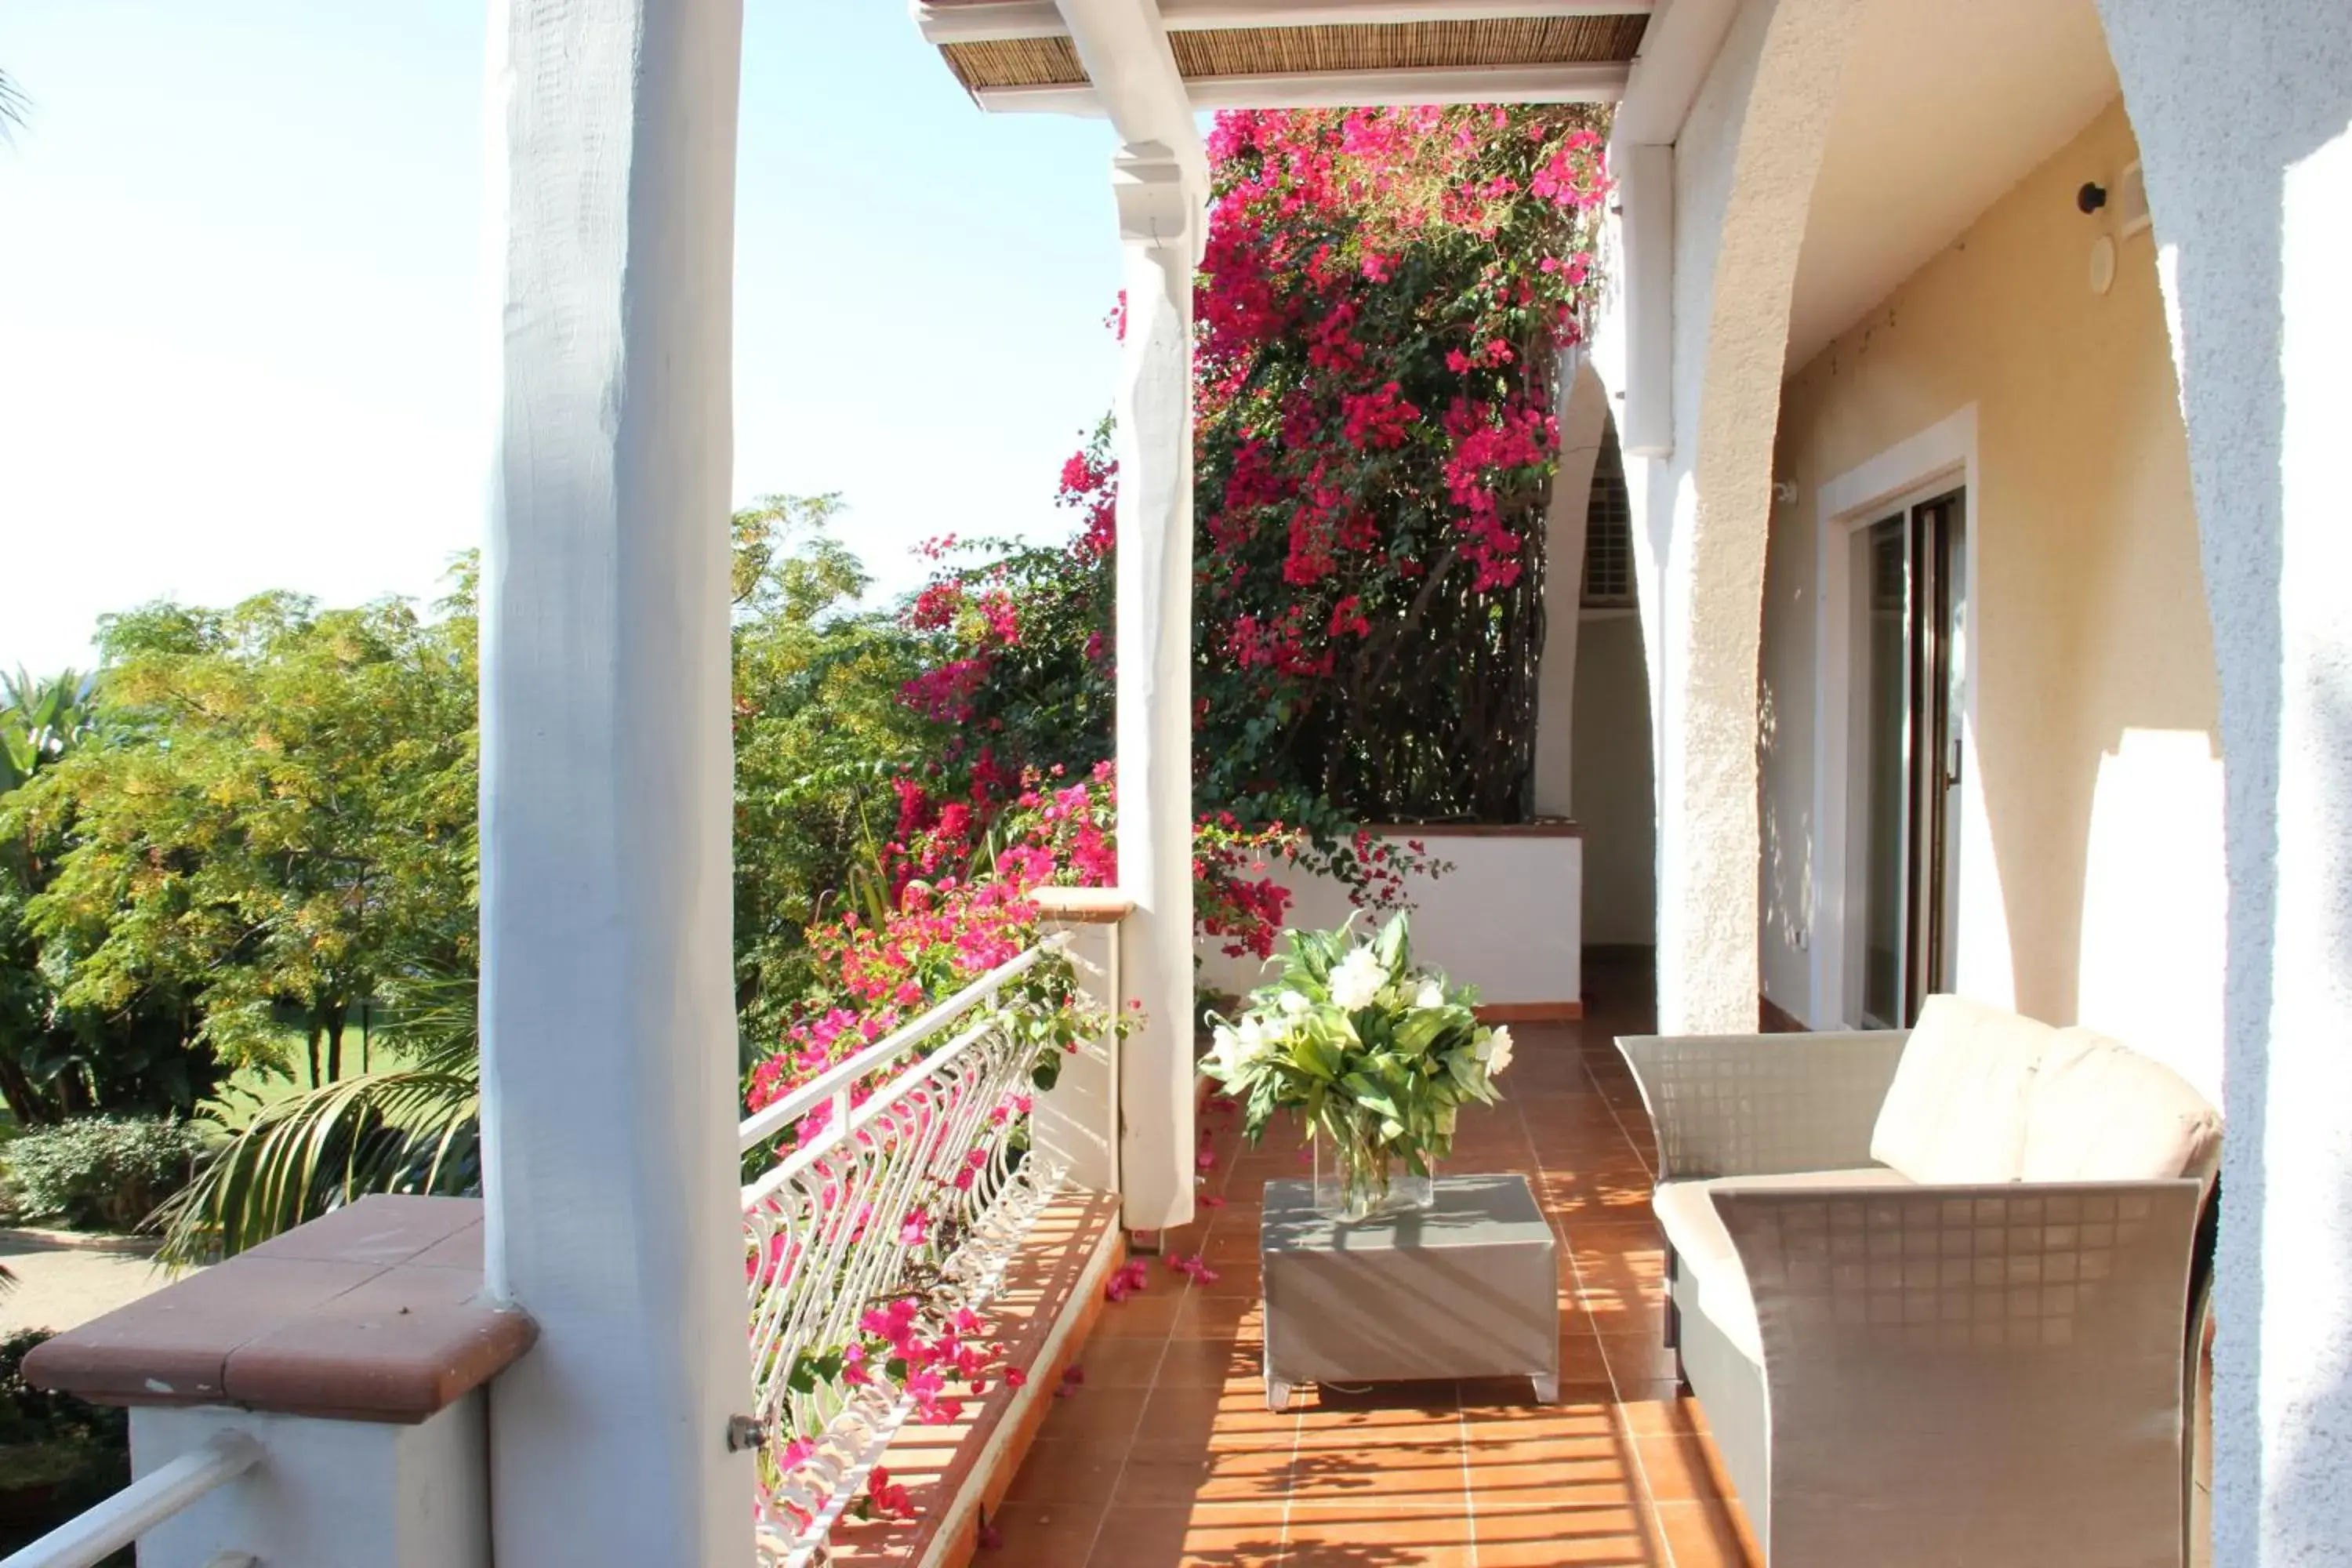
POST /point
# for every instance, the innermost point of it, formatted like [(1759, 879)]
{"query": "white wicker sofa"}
[(1936, 1291)]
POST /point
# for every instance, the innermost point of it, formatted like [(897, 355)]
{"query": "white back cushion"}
[(1956, 1109), (2100, 1112)]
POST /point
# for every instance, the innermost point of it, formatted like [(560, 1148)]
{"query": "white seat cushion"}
[(1686, 1212), (1956, 1111), (2100, 1112)]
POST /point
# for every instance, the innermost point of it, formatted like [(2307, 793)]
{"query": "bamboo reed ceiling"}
[(1356, 46)]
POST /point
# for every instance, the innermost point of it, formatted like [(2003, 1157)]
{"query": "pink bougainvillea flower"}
[(1128, 1280), (1211, 1201), (990, 1538)]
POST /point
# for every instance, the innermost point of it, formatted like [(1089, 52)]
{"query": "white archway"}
[(1740, 174)]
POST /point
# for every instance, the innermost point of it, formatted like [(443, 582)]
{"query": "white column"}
[(2243, 115), (607, 1012), (1158, 216)]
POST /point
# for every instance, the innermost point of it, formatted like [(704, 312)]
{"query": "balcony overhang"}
[(1019, 55)]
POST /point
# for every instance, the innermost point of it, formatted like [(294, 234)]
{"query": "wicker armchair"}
[(1934, 1289)]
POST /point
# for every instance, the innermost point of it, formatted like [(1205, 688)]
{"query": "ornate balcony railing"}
[(905, 1172)]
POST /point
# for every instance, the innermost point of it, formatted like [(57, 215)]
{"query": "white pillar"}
[(2243, 115), (1159, 218), (607, 1009)]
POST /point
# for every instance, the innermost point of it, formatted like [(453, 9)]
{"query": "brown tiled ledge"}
[(372, 1313), (1083, 906)]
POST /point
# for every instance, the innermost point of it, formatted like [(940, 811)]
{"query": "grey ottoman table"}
[(1467, 1288)]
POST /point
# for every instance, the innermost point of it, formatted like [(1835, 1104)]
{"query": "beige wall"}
[(2090, 881)]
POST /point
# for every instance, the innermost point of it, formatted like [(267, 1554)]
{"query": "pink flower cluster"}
[(1382, 289)]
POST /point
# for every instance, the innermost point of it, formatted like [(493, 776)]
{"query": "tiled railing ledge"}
[(1081, 906), (956, 1476), (351, 1352), (371, 1313)]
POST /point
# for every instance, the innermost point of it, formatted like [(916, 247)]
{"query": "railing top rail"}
[(769, 1121), (91, 1538)]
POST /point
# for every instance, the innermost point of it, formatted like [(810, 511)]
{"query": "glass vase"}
[(1360, 1177)]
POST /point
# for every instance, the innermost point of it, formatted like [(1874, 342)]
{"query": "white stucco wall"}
[(1506, 918), (1583, 419), (2245, 119), (1616, 805)]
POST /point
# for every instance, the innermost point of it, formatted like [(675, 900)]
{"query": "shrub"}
[(58, 1456), (100, 1172)]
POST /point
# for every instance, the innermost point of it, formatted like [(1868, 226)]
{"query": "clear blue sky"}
[(243, 328)]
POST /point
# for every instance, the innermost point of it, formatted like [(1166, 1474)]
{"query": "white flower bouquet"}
[(1377, 1058)]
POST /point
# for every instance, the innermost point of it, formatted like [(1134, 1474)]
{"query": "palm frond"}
[(417, 1130), (409, 1132)]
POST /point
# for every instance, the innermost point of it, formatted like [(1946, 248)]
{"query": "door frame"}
[(1938, 458)]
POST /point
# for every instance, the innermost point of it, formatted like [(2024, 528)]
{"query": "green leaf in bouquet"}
[(1422, 1027), (1371, 1096), (1390, 947)]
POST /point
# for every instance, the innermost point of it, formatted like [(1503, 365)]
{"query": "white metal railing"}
[(911, 1174), (90, 1538)]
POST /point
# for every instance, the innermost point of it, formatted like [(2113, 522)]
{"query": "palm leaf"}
[(416, 1129)]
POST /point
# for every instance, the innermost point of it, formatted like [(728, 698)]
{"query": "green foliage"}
[(58, 1059), (100, 1172), (820, 731), (415, 1129), (281, 814)]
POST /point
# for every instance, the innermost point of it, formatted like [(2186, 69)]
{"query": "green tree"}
[(283, 820), (820, 731)]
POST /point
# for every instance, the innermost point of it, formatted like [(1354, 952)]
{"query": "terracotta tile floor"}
[(1165, 1454)]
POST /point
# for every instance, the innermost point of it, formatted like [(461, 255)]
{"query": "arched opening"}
[(1613, 787), (1987, 674), (1989, 733)]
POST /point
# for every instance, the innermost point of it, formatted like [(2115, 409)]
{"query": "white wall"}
[(1616, 805), (1507, 919)]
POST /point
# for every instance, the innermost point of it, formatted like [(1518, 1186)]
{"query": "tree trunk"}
[(27, 1103), (336, 1014), (76, 1095), (314, 1051)]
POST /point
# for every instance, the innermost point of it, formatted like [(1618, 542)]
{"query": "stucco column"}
[(1159, 225), (2243, 115), (1710, 236), (608, 1027)]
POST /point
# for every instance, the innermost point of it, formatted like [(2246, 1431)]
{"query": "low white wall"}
[(1507, 919)]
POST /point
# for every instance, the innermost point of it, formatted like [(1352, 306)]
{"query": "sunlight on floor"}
[(1163, 1454)]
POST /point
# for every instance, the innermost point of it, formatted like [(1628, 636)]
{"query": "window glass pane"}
[(1881, 683)]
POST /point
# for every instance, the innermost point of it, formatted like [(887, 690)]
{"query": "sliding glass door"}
[(1909, 613)]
